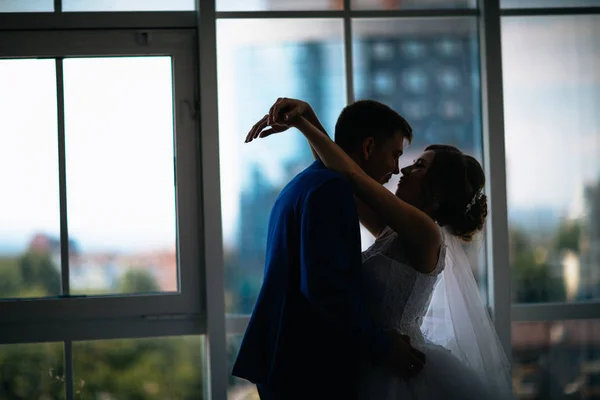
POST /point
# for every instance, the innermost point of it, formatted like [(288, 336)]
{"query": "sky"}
[(119, 132), (119, 151), (551, 73)]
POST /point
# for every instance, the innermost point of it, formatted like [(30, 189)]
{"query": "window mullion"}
[(494, 157), (348, 53), (62, 179), (68, 373), (211, 200)]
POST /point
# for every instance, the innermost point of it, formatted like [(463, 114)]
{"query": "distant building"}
[(45, 243), (430, 77), (102, 271), (590, 245)]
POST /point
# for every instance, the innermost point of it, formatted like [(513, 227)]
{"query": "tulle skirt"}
[(444, 377)]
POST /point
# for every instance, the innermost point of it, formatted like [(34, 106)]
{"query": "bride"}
[(417, 278)]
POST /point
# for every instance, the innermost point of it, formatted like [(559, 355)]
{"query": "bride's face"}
[(412, 182)]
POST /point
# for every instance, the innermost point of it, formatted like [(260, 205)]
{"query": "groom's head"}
[(373, 135)]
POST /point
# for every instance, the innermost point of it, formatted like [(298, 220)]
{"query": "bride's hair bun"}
[(455, 183)]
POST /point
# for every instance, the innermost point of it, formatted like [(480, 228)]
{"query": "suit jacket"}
[(309, 332)]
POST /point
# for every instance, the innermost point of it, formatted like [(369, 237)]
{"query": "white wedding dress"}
[(398, 296)]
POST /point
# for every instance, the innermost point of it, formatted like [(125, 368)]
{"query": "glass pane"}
[(274, 58), (238, 389), (428, 71), (120, 174), (128, 5), (29, 216), (32, 371), (556, 360), (551, 100), (26, 6), (411, 4), (547, 3), (278, 5), (154, 368)]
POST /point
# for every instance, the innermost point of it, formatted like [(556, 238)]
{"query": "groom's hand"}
[(405, 359)]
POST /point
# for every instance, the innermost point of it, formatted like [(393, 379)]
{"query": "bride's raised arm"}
[(294, 108), (414, 226)]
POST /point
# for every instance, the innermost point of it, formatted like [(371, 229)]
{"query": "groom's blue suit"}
[(308, 332)]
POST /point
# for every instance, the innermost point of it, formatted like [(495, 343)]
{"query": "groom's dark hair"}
[(368, 118)]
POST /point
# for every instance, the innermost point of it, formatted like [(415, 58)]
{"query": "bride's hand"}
[(259, 129), (286, 111), (282, 116)]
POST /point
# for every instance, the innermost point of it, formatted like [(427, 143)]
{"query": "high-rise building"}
[(432, 79)]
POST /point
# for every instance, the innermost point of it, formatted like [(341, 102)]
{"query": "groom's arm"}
[(330, 258)]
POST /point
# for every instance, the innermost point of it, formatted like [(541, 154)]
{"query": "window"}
[(19, 6), (120, 175), (120, 223), (277, 5), (32, 371), (551, 97), (285, 58), (425, 68), (100, 228), (149, 368), (411, 4), (308, 64), (551, 81), (428, 70), (30, 202), (108, 183), (556, 358), (128, 5), (548, 3)]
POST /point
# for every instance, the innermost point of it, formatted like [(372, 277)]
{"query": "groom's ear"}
[(367, 147)]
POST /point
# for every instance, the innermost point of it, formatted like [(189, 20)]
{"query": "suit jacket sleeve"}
[(330, 264)]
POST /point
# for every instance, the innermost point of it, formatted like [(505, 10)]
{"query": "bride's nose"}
[(405, 170)]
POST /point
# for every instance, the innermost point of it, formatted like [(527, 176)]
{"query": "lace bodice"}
[(396, 295)]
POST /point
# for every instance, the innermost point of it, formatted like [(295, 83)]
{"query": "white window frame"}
[(550, 312), (494, 156), (80, 317), (60, 35)]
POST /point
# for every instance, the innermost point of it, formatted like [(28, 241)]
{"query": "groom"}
[(309, 334)]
